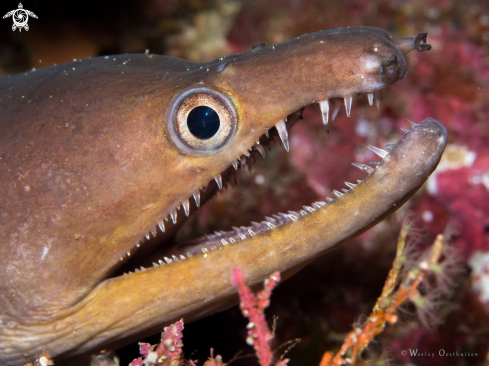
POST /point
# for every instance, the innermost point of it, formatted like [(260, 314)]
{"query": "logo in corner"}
[(20, 17)]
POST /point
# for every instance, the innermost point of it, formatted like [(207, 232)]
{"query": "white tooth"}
[(309, 208), (175, 258), (344, 190), (155, 264), (188, 255), (323, 109), (161, 225), (411, 123), (153, 232), (235, 165), (251, 232), (350, 185), (147, 236), (266, 131), (337, 194), (142, 268), (390, 146), (224, 242), (242, 236), (218, 180), (182, 257), (160, 261), (348, 101), (282, 132), (404, 130), (197, 199), (370, 98), (167, 260), (329, 200), (366, 168), (377, 99), (380, 152), (173, 215), (336, 108), (186, 207), (231, 240), (260, 149), (270, 225)]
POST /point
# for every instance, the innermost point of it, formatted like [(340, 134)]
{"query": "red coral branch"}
[(168, 352), (253, 306)]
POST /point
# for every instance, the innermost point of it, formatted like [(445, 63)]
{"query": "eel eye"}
[(202, 120)]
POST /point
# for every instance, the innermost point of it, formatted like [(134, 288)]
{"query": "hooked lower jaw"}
[(220, 239)]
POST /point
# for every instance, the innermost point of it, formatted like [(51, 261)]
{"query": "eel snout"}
[(406, 45)]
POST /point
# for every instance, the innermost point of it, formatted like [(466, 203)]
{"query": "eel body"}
[(100, 163)]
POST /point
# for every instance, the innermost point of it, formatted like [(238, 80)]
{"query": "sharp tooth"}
[(303, 213), (348, 101), (411, 123), (359, 181), (231, 240), (218, 180), (367, 169), (173, 215), (160, 261), (260, 149), (147, 236), (186, 207), (404, 130), (377, 99), (337, 194), (224, 242), (142, 268), (266, 131), (153, 232), (390, 146), (242, 236), (167, 260), (376, 163), (344, 190), (282, 132), (308, 208), (161, 225), (197, 199), (269, 219), (155, 264), (380, 152), (316, 205), (350, 185), (323, 110), (336, 108), (182, 257), (189, 254), (251, 232), (235, 165), (329, 199), (270, 225), (247, 154), (370, 98), (175, 258)]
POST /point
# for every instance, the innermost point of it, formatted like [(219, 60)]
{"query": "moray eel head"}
[(104, 159)]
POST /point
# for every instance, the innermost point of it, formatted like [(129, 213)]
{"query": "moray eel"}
[(103, 159)]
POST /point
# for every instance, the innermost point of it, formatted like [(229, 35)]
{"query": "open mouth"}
[(157, 241)]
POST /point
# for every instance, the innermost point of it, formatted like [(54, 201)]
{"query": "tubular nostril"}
[(389, 67)]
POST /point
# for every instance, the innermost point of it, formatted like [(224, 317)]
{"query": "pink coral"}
[(253, 306)]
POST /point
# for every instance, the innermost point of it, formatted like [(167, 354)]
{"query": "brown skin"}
[(88, 167)]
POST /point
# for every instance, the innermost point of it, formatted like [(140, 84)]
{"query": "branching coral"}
[(421, 280)]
